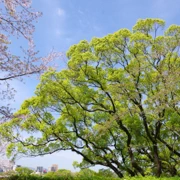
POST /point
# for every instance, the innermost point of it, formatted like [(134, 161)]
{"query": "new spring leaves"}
[(117, 103)]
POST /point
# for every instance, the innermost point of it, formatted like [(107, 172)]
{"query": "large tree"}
[(116, 105)]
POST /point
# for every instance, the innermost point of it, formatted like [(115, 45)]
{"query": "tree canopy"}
[(116, 105)]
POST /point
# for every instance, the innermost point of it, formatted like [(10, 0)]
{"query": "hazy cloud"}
[(60, 12)]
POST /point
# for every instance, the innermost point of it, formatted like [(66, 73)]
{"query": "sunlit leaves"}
[(117, 103)]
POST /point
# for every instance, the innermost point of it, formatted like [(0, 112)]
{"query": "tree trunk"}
[(134, 163), (117, 171), (157, 161), (173, 171)]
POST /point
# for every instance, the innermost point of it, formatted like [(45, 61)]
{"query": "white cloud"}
[(60, 12), (59, 21)]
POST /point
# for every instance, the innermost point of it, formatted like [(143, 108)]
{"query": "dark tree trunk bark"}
[(157, 161), (132, 173), (130, 152), (134, 163), (173, 171), (119, 173)]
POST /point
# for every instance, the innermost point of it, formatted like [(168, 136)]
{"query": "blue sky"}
[(66, 22)]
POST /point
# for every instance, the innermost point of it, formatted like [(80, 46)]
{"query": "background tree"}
[(116, 105), (17, 19), (6, 165)]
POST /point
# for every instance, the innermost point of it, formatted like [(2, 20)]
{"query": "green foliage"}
[(33, 177), (23, 171), (85, 174), (28, 177), (117, 104), (61, 174), (106, 173), (8, 173)]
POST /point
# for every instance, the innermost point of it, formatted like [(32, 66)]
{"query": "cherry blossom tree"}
[(6, 165), (17, 19)]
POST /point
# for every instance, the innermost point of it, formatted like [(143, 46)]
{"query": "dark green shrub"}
[(23, 171), (61, 174), (106, 173)]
